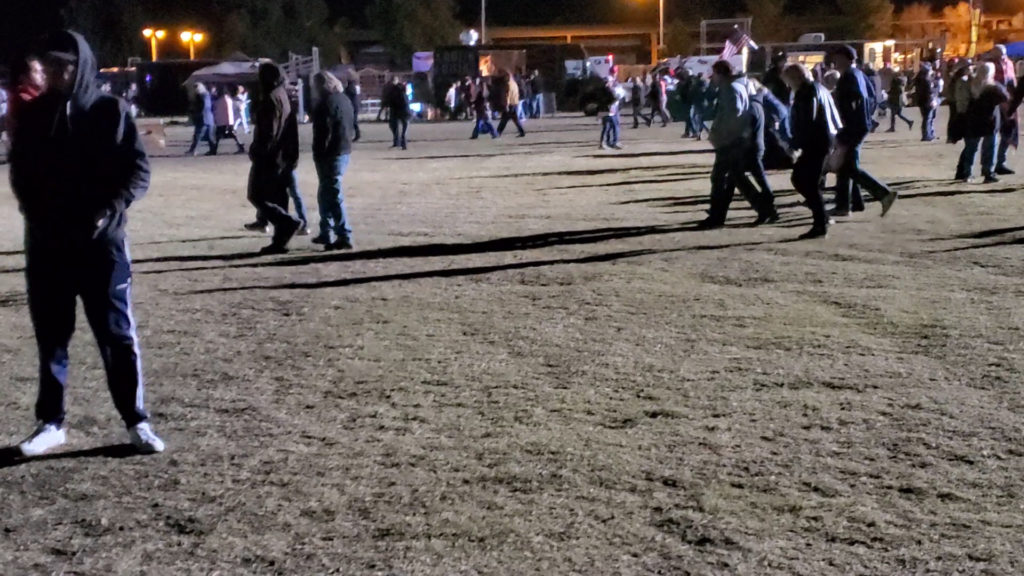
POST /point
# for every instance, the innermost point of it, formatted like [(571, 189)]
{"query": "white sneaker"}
[(144, 440), (45, 438)]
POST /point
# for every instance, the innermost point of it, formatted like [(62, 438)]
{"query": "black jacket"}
[(853, 97), (395, 100), (813, 119), (983, 112), (333, 127), (77, 163)]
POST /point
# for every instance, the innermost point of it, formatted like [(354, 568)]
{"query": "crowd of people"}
[(78, 165)]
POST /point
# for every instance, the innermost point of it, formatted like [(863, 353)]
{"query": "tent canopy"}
[(1015, 50), (226, 73)]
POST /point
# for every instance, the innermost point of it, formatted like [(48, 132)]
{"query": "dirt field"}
[(533, 364)]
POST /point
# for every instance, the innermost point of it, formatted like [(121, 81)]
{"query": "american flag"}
[(736, 42)]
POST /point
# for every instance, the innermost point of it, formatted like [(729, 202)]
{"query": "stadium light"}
[(153, 36), (192, 38)]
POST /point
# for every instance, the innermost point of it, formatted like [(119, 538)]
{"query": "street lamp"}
[(192, 38), (153, 35), (483, 22)]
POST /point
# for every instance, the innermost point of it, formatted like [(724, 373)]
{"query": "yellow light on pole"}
[(192, 38), (153, 36)]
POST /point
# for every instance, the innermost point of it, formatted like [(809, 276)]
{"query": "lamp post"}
[(661, 25), (153, 35), (483, 22), (192, 38)]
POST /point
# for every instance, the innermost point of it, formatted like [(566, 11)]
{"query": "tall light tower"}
[(192, 38), (483, 21), (153, 35)]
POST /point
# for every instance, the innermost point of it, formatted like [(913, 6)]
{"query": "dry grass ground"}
[(534, 365)]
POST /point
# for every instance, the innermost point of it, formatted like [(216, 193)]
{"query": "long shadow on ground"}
[(471, 271), (510, 244), (597, 172), (11, 456), (650, 154)]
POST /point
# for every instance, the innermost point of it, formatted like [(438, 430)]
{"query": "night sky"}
[(526, 12)]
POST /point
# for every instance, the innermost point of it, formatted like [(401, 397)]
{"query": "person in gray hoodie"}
[(77, 166), (731, 137)]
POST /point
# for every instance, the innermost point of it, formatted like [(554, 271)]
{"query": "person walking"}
[(480, 96), (686, 103), (241, 101), (853, 99), (1008, 126), (927, 101), (982, 124), (731, 135), (77, 166), (636, 97), (202, 119), (959, 91), (700, 98), (658, 97), (333, 134), (537, 89), (761, 198), (895, 98), (224, 120), (815, 124), (510, 105), (352, 91), (398, 113), (275, 154), (610, 123)]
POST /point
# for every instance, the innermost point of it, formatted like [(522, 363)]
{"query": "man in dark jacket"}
[(731, 137), (815, 124), (333, 134), (275, 154), (202, 118), (924, 92), (352, 92), (77, 165), (774, 82), (398, 106), (852, 97)]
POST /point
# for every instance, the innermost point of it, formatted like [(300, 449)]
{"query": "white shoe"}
[(45, 438), (144, 440)]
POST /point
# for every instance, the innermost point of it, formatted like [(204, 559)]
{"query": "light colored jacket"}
[(224, 111), (513, 93)]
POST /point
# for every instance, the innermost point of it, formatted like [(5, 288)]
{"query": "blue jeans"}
[(100, 274), (928, 123), (610, 129), (538, 106), (483, 126), (333, 216), (296, 196), (851, 178), (988, 156), (203, 132)]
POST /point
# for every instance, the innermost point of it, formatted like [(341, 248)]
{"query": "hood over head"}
[(270, 76), (71, 46)]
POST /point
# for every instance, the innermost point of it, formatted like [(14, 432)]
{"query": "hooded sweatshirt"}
[(77, 163), (276, 140)]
